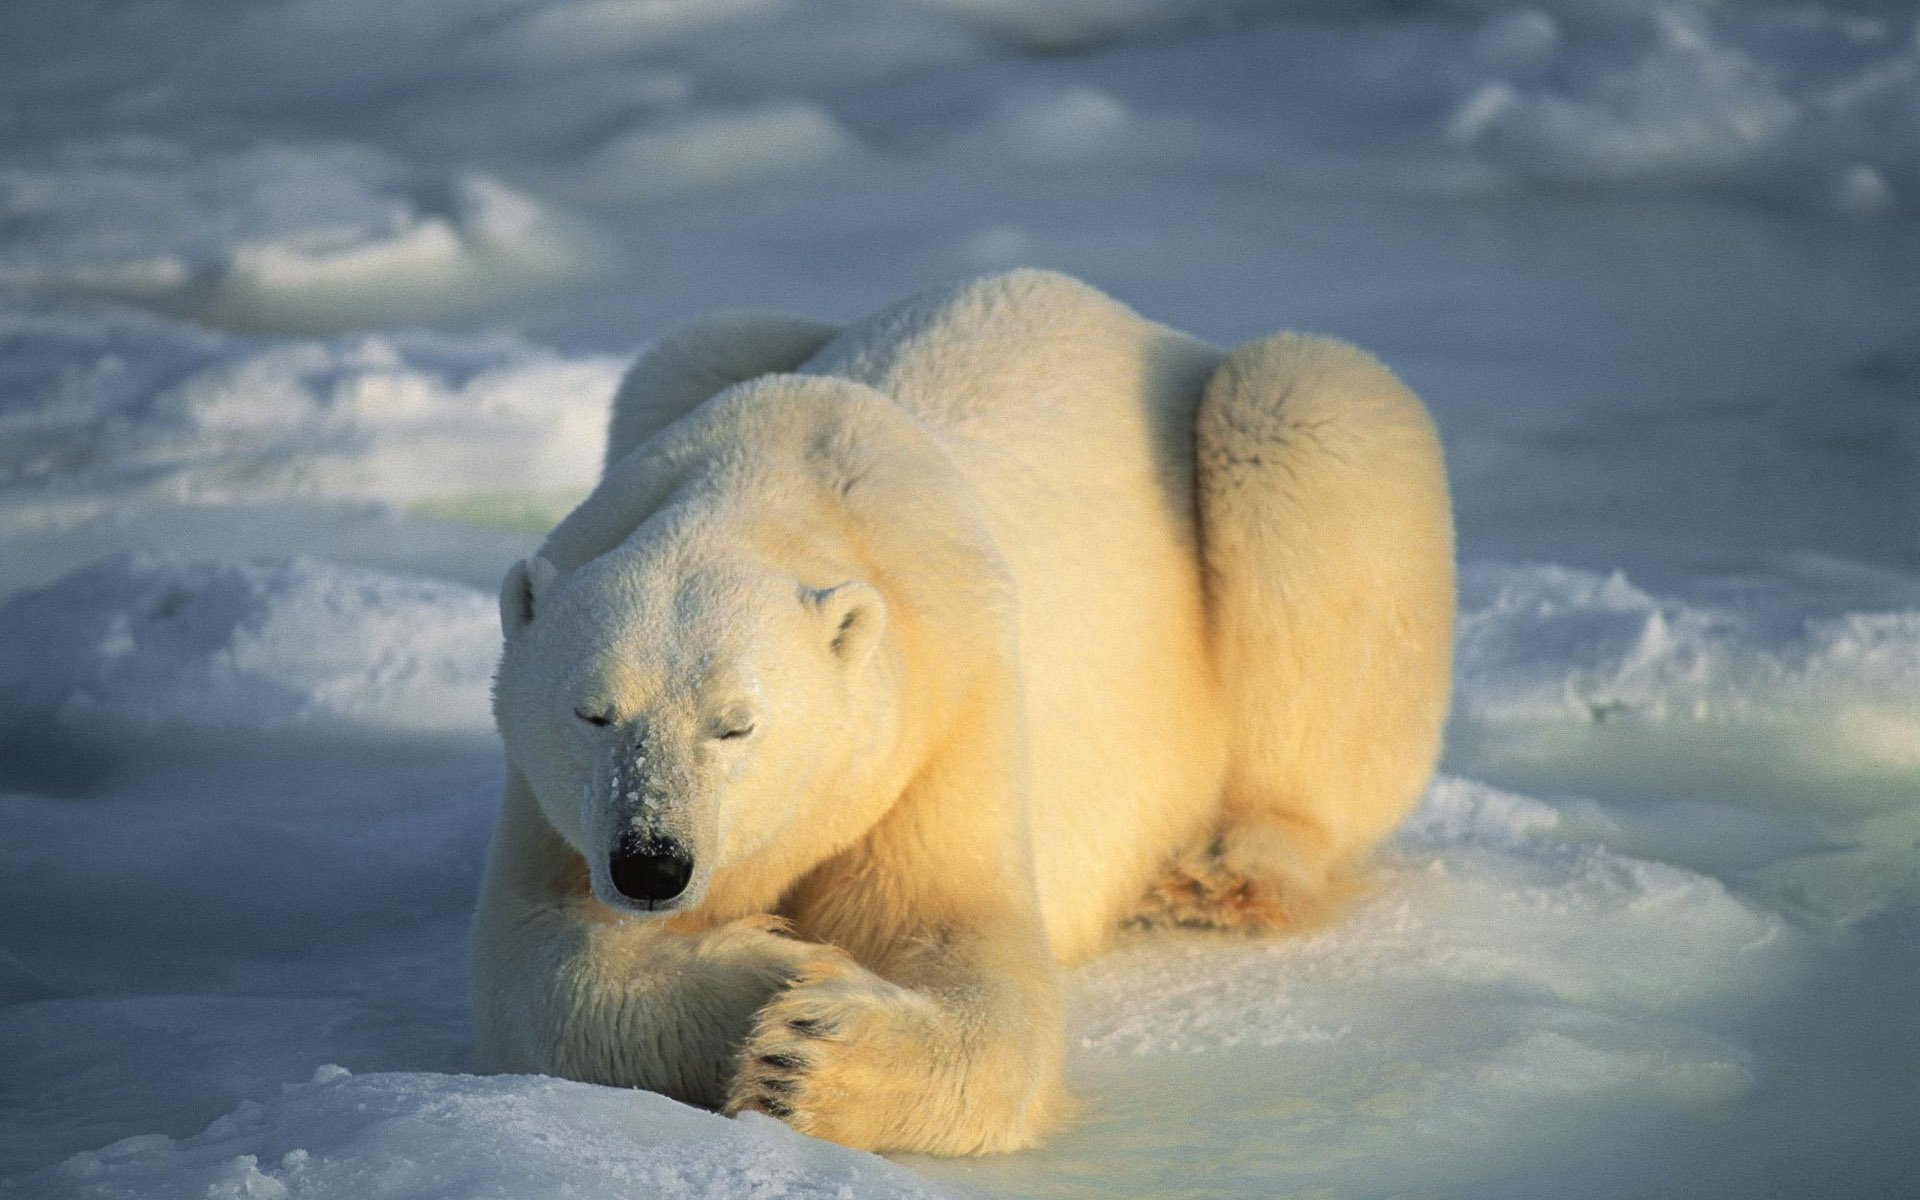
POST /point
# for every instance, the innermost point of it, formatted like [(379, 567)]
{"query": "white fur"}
[(1043, 616)]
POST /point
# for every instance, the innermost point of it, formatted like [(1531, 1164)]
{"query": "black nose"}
[(650, 869)]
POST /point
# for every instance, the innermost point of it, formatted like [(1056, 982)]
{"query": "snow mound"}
[(713, 150), (167, 412), (248, 645), (1553, 643), (1051, 125), (262, 231), (1056, 27), (367, 1137), (1822, 108)]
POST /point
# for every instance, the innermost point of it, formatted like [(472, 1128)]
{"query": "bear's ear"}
[(526, 582), (853, 614)]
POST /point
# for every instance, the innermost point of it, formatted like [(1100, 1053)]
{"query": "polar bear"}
[(891, 666)]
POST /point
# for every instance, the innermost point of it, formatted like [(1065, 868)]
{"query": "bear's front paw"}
[(836, 1054)]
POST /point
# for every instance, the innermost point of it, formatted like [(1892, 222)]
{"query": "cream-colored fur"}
[(1043, 617)]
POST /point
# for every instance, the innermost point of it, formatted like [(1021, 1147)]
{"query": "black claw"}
[(808, 1027), (773, 1107), (783, 1062), (774, 1083)]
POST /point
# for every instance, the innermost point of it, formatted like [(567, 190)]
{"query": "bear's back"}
[(1021, 353), (1072, 418)]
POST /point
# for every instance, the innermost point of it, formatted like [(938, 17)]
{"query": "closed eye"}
[(734, 731), (594, 718)]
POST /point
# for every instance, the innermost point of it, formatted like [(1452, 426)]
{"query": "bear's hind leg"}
[(1259, 872), (1327, 543)]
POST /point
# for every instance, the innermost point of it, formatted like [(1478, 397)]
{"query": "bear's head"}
[(677, 713), (723, 667)]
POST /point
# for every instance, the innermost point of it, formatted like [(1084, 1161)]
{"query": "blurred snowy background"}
[(309, 314)]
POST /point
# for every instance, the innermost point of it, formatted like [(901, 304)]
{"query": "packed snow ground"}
[(309, 315)]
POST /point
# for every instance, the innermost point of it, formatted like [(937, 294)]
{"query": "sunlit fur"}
[(1048, 618)]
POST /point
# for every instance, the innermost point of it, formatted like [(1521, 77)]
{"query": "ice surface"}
[(1478, 872), (309, 316)]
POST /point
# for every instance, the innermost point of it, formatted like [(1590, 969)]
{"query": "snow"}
[(128, 407), (310, 313), (139, 641), (366, 1138), (263, 233), (1549, 642), (713, 150), (1689, 97)]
